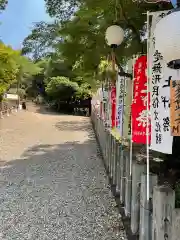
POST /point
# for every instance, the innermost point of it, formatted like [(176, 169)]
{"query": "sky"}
[(16, 21), (18, 18)]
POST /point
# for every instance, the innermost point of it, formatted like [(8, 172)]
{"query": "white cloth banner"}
[(159, 76), (108, 120), (119, 104)]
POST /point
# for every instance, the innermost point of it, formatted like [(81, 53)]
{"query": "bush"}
[(83, 92), (61, 88)]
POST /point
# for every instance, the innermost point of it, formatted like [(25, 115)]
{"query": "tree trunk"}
[(178, 3)]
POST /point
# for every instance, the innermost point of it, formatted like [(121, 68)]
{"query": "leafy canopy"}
[(3, 4), (14, 68), (9, 68), (61, 88), (76, 38)]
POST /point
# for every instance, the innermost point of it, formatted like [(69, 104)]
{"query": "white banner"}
[(127, 107), (160, 75), (108, 120), (119, 104)]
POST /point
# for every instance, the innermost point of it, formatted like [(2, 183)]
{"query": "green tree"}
[(79, 41), (83, 92), (61, 88), (61, 9), (15, 70), (57, 67), (8, 67), (3, 4), (26, 70), (39, 43)]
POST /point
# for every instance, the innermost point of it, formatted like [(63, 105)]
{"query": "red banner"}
[(101, 109), (139, 104), (113, 106)]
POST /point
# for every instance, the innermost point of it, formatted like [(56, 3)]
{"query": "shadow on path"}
[(73, 126)]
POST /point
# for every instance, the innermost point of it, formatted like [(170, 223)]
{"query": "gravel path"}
[(52, 183)]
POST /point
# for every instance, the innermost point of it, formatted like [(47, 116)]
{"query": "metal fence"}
[(156, 219), (7, 108)]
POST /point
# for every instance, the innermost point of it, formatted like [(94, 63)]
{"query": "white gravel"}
[(52, 183)]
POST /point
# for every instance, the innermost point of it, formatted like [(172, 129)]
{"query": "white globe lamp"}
[(114, 36), (167, 38)]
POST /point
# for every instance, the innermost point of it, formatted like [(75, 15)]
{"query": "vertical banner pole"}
[(147, 106), (132, 93)]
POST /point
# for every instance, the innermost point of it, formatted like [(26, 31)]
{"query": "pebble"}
[(56, 187)]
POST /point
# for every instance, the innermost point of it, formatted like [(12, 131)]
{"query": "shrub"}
[(61, 88)]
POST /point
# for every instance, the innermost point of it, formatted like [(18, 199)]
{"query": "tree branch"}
[(129, 24)]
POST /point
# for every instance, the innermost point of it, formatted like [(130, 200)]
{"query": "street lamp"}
[(167, 38), (114, 37)]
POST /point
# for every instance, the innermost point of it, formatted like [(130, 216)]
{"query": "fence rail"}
[(156, 219), (8, 111)]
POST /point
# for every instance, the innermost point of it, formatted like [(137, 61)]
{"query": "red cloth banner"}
[(101, 109), (139, 104), (113, 106)]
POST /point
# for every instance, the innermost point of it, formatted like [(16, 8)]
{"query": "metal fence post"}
[(145, 229), (118, 176), (113, 160), (104, 139), (163, 206), (137, 170), (122, 175), (114, 179), (109, 154), (175, 224), (128, 185), (106, 147), (111, 157)]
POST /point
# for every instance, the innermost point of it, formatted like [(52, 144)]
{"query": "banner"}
[(160, 76), (175, 107), (113, 106), (140, 79), (108, 117), (139, 105), (118, 122), (127, 108), (119, 104)]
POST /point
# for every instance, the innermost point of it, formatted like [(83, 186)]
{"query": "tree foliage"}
[(61, 88), (14, 68), (83, 92), (61, 9), (8, 69), (3, 4), (41, 40), (80, 39), (85, 34), (74, 43)]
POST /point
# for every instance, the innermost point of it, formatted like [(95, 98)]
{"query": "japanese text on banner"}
[(139, 104), (120, 104), (127, 108), (161, 139), (175, 107), (113, 106)]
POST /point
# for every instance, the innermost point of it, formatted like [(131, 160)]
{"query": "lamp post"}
[(114, 37)]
